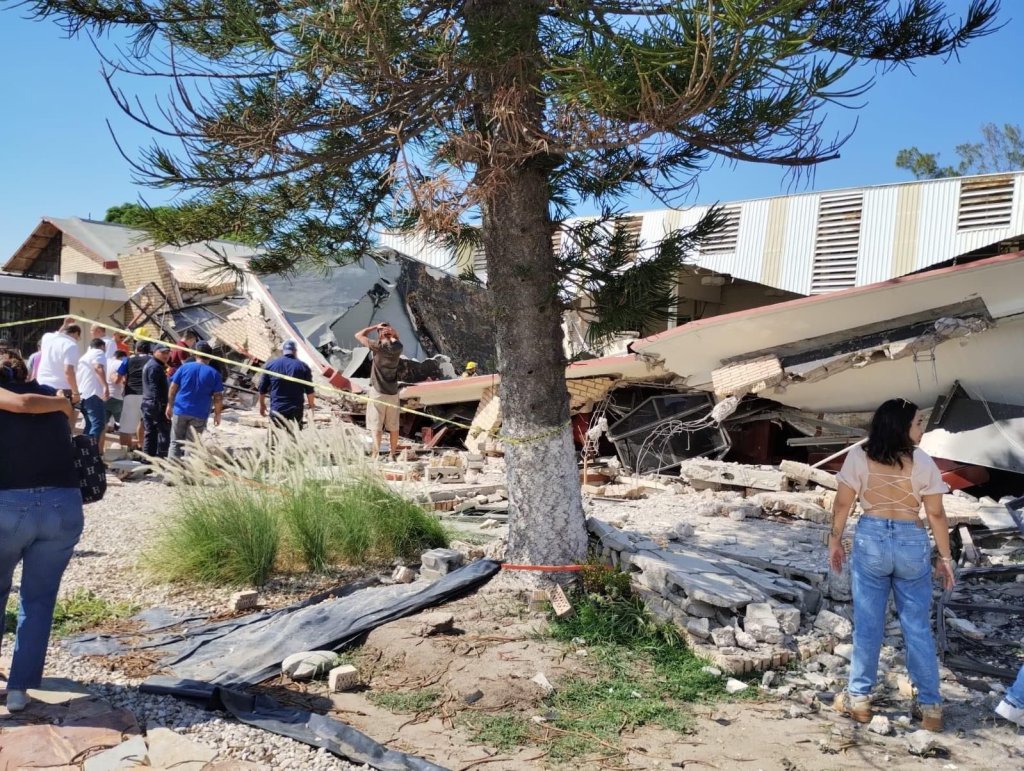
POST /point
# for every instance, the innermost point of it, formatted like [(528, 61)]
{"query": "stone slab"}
[(125, 755), (168, 749)]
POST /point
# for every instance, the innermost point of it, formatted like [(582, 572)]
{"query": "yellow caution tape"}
[(327, 388)]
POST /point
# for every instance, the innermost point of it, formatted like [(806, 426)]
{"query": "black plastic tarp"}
[(213, 664)]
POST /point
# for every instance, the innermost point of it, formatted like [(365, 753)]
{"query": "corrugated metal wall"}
[(904, 227)]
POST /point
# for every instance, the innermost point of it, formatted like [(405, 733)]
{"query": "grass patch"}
[(228, 535), (304, 501), (412, 702), (74, 613), (643, 674), (502, 732)]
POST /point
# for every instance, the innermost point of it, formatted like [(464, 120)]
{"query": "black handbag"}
[(92, 471)]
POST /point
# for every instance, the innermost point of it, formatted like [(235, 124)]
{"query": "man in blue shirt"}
[(286, 396), (195, 388)]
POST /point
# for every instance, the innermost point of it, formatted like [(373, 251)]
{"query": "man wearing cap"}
[(470, 370), (286, 395), (156, 437), (382, 409), (196, 388)]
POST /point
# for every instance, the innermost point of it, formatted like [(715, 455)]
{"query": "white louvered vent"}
[(985, 203), (631, 225), (723, 240), (837, 242), (480, 262), (556, 242)]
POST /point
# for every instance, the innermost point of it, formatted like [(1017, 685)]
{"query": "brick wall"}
[(748, 376)]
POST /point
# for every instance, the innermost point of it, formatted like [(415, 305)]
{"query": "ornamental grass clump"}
[(303, 499)]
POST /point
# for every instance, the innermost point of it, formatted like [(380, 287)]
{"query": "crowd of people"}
[(160, 398)]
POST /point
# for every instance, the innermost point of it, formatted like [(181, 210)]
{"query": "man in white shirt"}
[(92, 379), (109, 344), (58, 359)]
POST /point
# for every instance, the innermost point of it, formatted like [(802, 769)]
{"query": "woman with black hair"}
[(40, 514), (899, 488)]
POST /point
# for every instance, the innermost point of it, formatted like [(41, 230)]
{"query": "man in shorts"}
[(382, 409)]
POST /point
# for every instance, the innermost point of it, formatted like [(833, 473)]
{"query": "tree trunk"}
[(546, 522)]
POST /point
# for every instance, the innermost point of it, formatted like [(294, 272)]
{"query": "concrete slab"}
[(168, 749)]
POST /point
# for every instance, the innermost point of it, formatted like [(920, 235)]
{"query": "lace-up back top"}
[(888, 491)]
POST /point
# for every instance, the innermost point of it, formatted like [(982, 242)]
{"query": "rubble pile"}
[(737, 615)]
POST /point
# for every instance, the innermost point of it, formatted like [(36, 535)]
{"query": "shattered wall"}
[(450, 316)]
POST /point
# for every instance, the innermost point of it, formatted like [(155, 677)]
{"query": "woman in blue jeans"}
[(900, 489), (40, 514)]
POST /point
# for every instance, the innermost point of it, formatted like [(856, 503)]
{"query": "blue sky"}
[(57, 156)]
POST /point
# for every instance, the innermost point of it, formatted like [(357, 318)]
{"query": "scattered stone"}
[(541, 679), (246, 600), (309, 665), (818, 682), (732, 685), (713, 671), (880, 725), (768, 679), (682, 531), (966, 628), (761, 623), (745, 640), (923, 743), (343, 678), (904, 687), (845, 650), (798, 710), (403, 575), (724, 636), (834, 624), (699, 627), (170, 750), (472, 697), (490, 524), (737, 514), (788, 618), (434, 623)]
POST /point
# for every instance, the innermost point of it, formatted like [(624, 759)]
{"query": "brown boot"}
[(930, 716), (856, 707)]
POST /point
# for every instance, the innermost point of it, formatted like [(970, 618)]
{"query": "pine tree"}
[(314, 123)]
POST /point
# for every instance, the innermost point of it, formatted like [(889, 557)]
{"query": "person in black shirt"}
[(40, 516), (156, 437), (130, 427)]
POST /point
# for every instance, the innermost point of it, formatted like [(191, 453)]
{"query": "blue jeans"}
[(892, 556), (94, 410), (38, 527), (1016, 693)]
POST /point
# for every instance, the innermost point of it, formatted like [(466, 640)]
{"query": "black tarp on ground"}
[(214, 663)]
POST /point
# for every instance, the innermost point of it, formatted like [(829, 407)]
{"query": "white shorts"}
[(382, 412), (131, 414)]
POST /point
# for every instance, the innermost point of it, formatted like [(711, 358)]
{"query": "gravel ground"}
[(118, 530)]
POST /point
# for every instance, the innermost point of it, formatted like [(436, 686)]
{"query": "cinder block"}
[(442, 560), (343, 678), (245, 600)]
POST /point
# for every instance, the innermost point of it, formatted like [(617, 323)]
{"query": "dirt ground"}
[(496, 649)]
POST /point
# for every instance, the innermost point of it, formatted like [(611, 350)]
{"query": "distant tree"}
[(1000, 149), (168, 223), (322, 121)]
